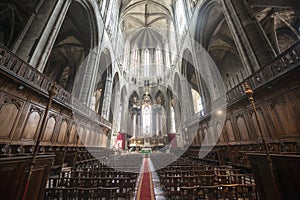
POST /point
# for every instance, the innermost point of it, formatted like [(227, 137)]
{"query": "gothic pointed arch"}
[(76, 38), (115, 96), (14, 15), (104, 74), (134, 99), (214, 35), (199, 90), (160, 98)]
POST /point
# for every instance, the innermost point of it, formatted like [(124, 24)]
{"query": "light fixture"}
[(220, 112)]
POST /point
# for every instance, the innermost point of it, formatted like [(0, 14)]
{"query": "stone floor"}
[(158, 190)]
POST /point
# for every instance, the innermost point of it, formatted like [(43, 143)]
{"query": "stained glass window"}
[(181, 18), (158, 60), (134, 61), (197, 100), (147, 63)]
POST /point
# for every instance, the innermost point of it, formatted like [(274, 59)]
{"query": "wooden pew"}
[(280, 180), (14, 172), (181, 180), (92, 180)]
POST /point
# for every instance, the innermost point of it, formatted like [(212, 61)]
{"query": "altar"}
[(155, 143)]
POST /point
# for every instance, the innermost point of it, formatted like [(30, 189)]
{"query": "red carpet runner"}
[(145, 190)]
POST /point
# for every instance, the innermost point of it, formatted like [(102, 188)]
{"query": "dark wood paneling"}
[(14, 172), (279, 180), (293, 4)]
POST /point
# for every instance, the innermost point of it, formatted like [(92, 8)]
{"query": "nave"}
[(89, 86)]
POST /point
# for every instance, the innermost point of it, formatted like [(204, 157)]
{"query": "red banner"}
[(172, 139), (120, 143)]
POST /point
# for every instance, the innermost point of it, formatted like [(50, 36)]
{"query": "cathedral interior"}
[(149, 99)]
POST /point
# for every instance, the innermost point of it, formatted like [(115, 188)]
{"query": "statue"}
[(135, 102), (97, 95), (158, 100), (172, 102), (147, 99)]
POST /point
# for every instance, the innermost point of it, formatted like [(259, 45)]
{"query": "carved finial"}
[(53, 90), (248, 89)]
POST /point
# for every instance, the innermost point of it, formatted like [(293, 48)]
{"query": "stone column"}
[(107, 98), (168, 113), (166, 60), (186, 97), (252, 43), (134, 125), (34, 28), (157, 122), (123, 123), (119, 122), (47, 39), (139, 125), (160, 125), (86, 90)]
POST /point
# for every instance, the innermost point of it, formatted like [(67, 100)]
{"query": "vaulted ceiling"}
[(146, 22), (13, 18)]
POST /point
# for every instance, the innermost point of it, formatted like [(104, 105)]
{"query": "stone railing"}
[(17, 69)]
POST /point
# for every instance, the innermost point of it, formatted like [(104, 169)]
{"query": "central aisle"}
[(145, 189)]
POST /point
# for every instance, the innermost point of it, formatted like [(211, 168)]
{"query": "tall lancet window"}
[(197, 100), (125, 62), (158, 61), (147, 120), (147, 63), (126, 58), (103, 7), (167, 54), (181, 18), (134, 61)]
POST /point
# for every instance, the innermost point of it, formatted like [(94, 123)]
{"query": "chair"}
[(189, 193), (223, 179), (246, 191), (206, 180), (227, 191), (107, 193), (208, 192)]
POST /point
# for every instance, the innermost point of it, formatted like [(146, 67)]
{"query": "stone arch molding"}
[(47, 41), (204, 66)]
